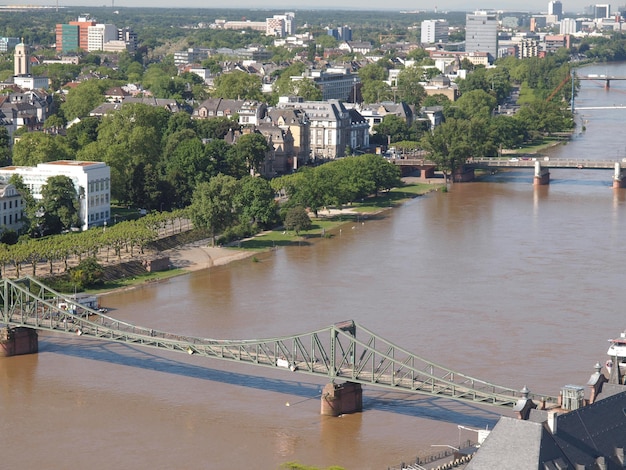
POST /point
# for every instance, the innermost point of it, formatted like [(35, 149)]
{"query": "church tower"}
[(21, 59)]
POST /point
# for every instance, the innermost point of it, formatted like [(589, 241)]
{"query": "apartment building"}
[(331, 127), (297, 122), (248, 112), (434, 32), (11, 207)]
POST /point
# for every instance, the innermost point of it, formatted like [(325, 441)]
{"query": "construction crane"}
[(556, 90)]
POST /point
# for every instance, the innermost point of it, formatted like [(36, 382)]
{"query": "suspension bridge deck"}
[(335, 352)]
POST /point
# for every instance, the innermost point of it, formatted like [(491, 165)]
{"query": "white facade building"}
[(11, 208), (434, 31), (92, 181), (99, 35), (569, 26)]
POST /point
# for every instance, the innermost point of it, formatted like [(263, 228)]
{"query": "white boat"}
[(617, 352)]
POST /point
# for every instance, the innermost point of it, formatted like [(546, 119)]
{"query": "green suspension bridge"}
[(344, 351)]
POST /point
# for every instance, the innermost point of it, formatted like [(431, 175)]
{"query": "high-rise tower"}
[(481, 33), (555, 8)]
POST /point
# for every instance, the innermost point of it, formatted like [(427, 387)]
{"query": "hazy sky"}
[(572, 6)]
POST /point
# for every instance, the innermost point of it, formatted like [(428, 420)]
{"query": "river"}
[(517, 285)]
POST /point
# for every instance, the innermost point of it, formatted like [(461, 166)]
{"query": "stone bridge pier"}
[(16, 341), (338, 399)]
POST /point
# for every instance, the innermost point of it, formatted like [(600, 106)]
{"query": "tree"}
[(283, 85), (186, 164), (372, 72), (297, 219), (37, 147), (5, 147), (410, 89), (474, 103), (507, 132), (393, 128), (255, 202), (84, 98), (238, 85), (448, 146), (213, 204), (82, 133), (307, 89), (215, 128), (60, 206), (127, 138), (88, 273), (375, 91), (251, 149)]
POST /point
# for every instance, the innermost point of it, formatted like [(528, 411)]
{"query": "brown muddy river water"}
[(514, 285)]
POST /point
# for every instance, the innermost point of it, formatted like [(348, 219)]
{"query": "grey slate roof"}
[(514, 444), (583, 438)]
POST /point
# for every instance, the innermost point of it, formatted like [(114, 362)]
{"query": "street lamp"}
[(105, 226)]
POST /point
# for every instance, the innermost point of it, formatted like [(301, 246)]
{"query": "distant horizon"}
[(534, 6)]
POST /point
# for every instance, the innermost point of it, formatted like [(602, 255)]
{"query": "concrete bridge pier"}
[(542, 175), (16, 341), (338, 399), (619, 177)]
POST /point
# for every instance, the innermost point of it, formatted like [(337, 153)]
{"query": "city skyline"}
[(534, 6)]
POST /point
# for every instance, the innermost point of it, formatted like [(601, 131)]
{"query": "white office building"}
[(434, 31), (92, 181), (99, 35)]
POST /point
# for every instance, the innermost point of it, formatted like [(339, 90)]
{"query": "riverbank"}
[(199, 254)]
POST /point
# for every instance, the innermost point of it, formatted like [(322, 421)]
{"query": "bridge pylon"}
[(619, 177), (542, 175)]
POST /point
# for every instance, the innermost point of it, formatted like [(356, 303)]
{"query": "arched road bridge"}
[(341, 352)]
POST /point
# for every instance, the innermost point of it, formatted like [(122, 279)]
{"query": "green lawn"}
[(327, 226)]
